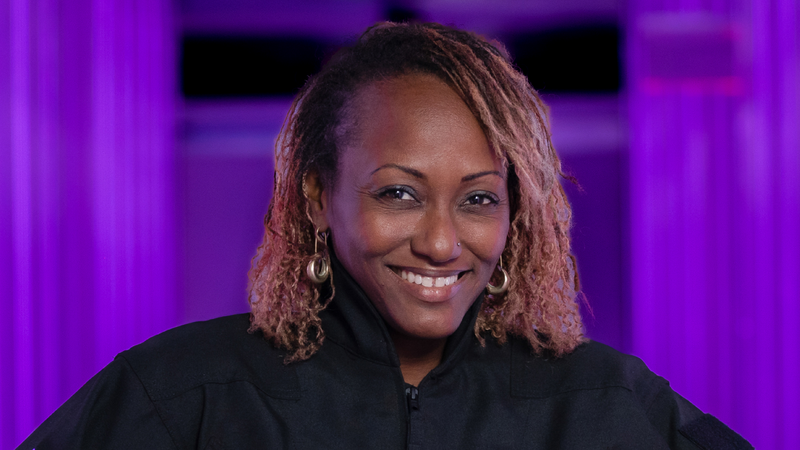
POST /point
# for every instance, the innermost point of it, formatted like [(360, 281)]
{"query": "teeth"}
[(428, 281)]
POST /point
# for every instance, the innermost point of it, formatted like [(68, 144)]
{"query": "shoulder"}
[(215, 351), (591, 365), (628, 384)]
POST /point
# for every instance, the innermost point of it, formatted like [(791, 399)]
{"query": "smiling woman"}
[(419, 192), (414, 288)]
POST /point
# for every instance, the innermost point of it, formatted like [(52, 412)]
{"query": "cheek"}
[(368, 232), (486, 238), (383, 232)]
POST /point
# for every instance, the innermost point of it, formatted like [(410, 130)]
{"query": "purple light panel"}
[(715, 207), (87, 215)]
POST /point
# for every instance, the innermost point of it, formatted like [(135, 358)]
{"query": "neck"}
[(417, 356)]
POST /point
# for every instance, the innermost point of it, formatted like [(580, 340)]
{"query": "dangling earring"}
[(318, 268), (495, 290)]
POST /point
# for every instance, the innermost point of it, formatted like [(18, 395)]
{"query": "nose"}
[(436, 238)]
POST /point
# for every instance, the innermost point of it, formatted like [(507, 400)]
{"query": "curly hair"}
[(540, 303)]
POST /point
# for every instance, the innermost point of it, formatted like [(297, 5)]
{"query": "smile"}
[(412, 277), (426, 281)]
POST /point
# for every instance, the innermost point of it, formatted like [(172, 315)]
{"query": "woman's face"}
[(419, 213)]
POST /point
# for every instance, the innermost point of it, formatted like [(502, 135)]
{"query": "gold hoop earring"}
[(318, 269), (497, 290)]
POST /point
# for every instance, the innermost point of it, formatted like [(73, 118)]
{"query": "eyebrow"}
[(417, 174), (481, 174), (413, 172)]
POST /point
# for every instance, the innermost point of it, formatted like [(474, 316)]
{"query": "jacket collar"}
[(351, 321)]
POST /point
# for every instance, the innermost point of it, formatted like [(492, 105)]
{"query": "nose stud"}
[(458, 244)]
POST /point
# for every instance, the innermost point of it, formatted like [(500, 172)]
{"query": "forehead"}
[(412, 118), (414, 96)]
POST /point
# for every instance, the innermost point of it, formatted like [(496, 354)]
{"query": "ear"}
[(317, 200)]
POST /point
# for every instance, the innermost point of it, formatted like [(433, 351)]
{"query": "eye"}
[(481, 198), (399, 193)]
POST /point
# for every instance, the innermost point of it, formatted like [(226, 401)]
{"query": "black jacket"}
[(211, 385)]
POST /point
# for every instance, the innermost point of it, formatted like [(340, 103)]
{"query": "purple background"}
[(126, 209)]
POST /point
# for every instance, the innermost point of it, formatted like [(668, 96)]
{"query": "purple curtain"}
[(87, 215), (715, 192)]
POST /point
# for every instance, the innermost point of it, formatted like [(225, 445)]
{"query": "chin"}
[(432, 327)]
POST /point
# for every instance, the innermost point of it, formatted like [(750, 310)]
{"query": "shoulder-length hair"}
[(540, 303)]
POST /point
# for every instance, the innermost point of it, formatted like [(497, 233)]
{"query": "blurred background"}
[(136, 168)]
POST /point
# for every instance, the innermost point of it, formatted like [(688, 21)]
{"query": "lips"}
[(427, 281), (428, 278)]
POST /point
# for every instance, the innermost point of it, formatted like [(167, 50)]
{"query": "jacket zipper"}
[(412, 405), (412, 397)]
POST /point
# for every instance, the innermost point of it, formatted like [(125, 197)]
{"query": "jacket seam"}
[(567, 391), (655, 397), (274, 393), (152, 402)]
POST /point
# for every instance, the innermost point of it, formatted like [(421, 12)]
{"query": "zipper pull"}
[(412, 396)]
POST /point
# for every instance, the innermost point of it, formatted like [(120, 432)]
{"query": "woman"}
[(414, 287)]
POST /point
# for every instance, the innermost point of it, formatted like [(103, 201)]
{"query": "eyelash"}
[(394, 193), (492, 200), (387, 193)]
